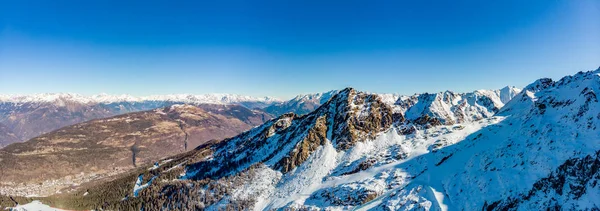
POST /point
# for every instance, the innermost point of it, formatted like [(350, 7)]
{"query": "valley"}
[(102, 148), (441, 151)]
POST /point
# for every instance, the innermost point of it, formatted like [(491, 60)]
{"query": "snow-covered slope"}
[(34, 206), (360, 151), (450, 107), (542, 154), (337, 156), (28, 116)]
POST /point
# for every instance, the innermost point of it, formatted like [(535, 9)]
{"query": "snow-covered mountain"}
[(540, 152), (333, 156), (301, 104), (508, 149), (28, 116), (63, 98), (447, 102), (449, 107), (441, 151), (341, 155)]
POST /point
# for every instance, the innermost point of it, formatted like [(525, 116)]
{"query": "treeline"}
[(12, 201)]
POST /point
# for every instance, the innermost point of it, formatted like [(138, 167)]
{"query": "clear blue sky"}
[(283, 48)]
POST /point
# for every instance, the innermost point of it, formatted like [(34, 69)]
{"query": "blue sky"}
[(283, 48)]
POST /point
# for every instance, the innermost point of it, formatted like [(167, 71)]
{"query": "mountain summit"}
[(425, 152), (339, 155)]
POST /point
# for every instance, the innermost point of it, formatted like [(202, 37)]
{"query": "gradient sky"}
[(283, 48)]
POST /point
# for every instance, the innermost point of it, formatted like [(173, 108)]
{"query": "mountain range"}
[(301, 104), (28, 116), (530, 149), (145, 137), (441, 151)]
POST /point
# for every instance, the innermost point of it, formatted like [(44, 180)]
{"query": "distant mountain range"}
[(29, 116), (110, 99), (301, 104)]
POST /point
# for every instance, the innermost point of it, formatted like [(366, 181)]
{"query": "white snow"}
[(506, 158), (502, 142), (296, 186), (452, 107), (321, 170), (439, 198), (34, 206), (158, 164), (259, 188), (392, 160), (139, 185), (61, 98)]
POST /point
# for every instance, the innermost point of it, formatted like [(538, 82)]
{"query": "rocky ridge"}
[(356, 151), (320, 159)]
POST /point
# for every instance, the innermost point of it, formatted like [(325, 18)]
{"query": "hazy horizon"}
[(255, 96)]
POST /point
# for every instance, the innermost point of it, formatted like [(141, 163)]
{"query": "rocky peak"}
[(539, 84), (548, 135), (541, 151), (283, 143), (447, 108), (356, 116), (349, 117)]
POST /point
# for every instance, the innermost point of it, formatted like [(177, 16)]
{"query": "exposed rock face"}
[(316, 137), (465, 152), (357, 116), (576, 183), (28, 118), (542, 155), (447, 108), (344, 195), (107, 146), (350, 134), (428, 109), (287, 141), (354, 149), (348, 117)]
